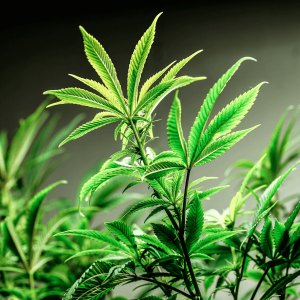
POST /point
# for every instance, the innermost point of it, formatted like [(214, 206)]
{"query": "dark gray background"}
[(41, 46)]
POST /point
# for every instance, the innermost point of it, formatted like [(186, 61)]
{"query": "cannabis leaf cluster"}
[(185, 252)]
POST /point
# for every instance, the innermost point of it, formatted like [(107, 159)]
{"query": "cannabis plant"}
[(31, 260), (282, 151), (27, 161), (184, 256)]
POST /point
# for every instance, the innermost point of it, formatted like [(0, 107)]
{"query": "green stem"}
[(138, 139), (165, 285), (186, 279), (240, 276), (182, 228), (282, 296), (145, 160), (259, 283), (31, 284), (184, 202), (181, 236), (178, 215), (189, 264)]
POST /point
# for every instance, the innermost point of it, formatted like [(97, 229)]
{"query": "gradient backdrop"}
[(40, 46)]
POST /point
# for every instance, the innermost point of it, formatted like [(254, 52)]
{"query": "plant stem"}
[(186, 280), (138, 139), (31, 284), (181, 233), (181, 236), (188, 261), (240, 276), (259, 283), (165, 285), (188, 173), (145, 160), (282, 295)]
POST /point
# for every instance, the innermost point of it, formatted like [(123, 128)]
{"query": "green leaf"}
[(131, 184), (123, 232), (12, 269), (162, 168), (289, 222), (152, 95), (176, 139), (97, 180), (16, 241), (102, 64), (220, 146), (23, 139), (194, 223), (147, 203), (211, 239), (195, 182), (287, 134), (250, 174), (177, 182), (98, 236), (206, 194), (273, 263), (208, 282), (162, 260), (167, 236), (279, 284), (154, 212), (154, 241), (269, 193), (83, 98), (151, 80), (115, 270), (3, 148), (97, 251), (258, 219), (201, 256), (161, 185), (234, 206), (34, 208), (273, 148), (48, 230), (165, 155), (266, 238), (162, 90), (228, 118), (137, 63), (102, 90), (87, 127), (89, 285), (295, 236), (205, 110), (173, 72), (281, 236)]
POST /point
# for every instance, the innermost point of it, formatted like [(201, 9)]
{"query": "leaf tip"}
[(248, 58), (61, 144)]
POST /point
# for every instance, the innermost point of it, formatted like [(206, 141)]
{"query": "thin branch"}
[(259, 283), (164, 285)]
